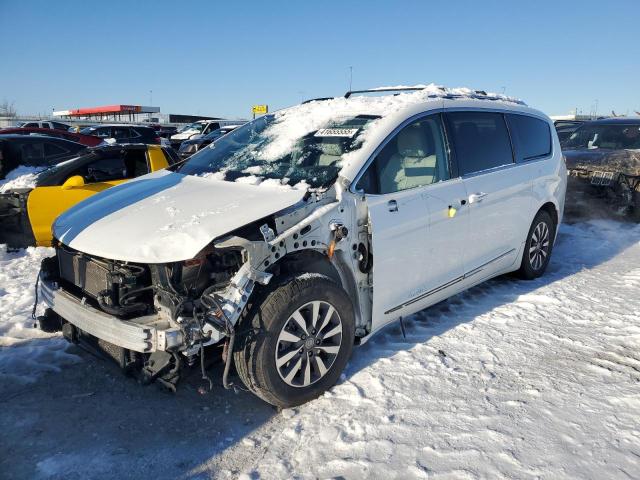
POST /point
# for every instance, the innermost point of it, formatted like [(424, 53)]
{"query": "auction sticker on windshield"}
[(336, 132)]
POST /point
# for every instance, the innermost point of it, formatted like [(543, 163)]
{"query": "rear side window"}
[(104, 132), (32, 153), (121, 132), (136, 163), (51, 149), (531, 137), (106, 168), (481, 140)]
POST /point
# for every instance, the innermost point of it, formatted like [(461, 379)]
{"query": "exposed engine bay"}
[(188, 305)]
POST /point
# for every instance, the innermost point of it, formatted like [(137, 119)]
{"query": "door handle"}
[(393, 205), (477, 197)]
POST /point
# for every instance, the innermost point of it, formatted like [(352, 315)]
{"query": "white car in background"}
[(304, 232), (198, 129)]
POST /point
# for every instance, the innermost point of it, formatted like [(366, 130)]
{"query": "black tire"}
[(534, 266), (264, 321), (635, 210)]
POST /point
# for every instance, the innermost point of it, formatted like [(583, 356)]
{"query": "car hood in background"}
[(624, 161), (165, 216)]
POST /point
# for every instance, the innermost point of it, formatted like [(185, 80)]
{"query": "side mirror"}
[(73, 182)]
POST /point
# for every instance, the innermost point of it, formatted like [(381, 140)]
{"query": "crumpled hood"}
[(625, 161), (165, 216)]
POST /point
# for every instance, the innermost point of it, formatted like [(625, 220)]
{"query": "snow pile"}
[(25, 351), (21, 177)]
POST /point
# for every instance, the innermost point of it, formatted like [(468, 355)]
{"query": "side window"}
[(415, 157), (30, 125), (481, 140), (32, 153), (51, 149), (211, 127), (136, 163), (121, 132), (103, 132), (107, 168), (133, 133), (531, 137)]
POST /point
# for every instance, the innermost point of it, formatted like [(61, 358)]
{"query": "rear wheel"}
[(296, 339), (538, 247)]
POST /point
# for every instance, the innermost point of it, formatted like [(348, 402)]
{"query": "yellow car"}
[(27, 213)]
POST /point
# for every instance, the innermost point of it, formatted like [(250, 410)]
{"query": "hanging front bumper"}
[(144, 334)]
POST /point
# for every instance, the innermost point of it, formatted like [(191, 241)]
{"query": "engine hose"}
[(203, 371)]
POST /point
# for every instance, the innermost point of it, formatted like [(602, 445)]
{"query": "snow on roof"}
[(293, 123)]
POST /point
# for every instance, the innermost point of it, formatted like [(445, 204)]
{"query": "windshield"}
[(609, 137), (253, 152), (192, 126)]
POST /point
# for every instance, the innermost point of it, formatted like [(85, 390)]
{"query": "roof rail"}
[(389, 89), (320, 99), (477, 94)]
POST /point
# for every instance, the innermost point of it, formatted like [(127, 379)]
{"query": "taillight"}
[(158, 140)]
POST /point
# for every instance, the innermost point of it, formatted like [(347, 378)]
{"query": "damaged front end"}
[(155, 318), (152, 316)]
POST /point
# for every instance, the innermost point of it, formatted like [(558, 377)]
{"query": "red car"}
[(88, 140)]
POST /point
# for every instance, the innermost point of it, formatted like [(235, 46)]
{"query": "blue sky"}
[(219, 58)]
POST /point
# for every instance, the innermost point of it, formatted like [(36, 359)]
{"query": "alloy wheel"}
[(539, 246), (308, 344)]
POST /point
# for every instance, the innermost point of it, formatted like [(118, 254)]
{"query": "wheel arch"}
[(313, 261), (552, 209)]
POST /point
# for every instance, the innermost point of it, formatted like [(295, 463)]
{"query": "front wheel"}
[(538, 247), (295, 340)]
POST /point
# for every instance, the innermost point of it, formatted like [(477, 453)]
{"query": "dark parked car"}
[(164, 131), (34, 151), (124, 133), (88, 140), (603, 160), (189, 147)]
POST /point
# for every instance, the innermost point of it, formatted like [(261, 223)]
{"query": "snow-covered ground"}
[(512, 379)]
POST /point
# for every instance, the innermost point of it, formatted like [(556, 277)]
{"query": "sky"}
[(220, 58)]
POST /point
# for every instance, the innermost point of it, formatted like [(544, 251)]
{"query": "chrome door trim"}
[(450, 283)]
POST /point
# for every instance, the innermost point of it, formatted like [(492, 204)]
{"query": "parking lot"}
[(319, 241)]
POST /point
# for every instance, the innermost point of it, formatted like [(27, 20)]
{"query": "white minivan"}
[(304, 232)]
